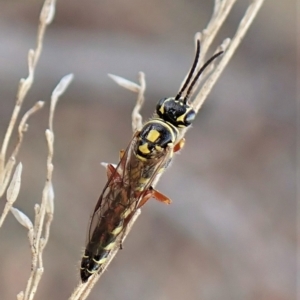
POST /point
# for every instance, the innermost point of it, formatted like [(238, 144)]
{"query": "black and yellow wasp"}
[(130, 184)]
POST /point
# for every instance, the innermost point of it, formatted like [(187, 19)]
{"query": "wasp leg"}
[(112, 174), (110, 169), (152, 193), (179, 145)]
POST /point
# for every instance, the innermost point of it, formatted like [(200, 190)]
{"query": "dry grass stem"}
[(137, 120), (57, 92), (221, 10), (23, 126), (38, 233), (46, 16), (246, 21), (39, 236)]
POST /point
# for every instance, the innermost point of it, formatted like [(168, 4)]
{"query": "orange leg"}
[(152, 193), (179, 145), (111, 171)]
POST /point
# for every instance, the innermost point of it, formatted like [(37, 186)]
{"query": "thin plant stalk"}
[(6, 167)]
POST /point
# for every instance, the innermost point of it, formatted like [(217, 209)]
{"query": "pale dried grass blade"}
[(57, 92), (22, 218), (127, 84), (5, 175), (20, 296), (12, 192), (15, 184), (48, 12), (61, 88)]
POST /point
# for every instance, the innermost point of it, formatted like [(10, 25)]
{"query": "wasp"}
[(131, 183)]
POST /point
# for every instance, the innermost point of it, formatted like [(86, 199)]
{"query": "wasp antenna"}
[(199, 73), (191, 71)]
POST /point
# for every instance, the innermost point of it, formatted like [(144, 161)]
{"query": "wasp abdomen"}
[(90, 264), (97, 252)]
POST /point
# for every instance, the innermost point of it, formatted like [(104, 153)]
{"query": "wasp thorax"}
[(154, 138), (177, 112)]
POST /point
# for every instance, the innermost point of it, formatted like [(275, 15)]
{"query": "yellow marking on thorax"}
[(153, 135), (144, 148)]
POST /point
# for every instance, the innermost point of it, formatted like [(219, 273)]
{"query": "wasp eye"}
[(189, 117), (160, 107)]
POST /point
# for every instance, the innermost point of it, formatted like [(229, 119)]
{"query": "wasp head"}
[(178, 110), (175, 111)]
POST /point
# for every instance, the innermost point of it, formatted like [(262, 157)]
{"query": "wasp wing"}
[(115, 183), (122, 188), (144, 174)]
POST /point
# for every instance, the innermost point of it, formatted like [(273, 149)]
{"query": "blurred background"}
[(230, 232)]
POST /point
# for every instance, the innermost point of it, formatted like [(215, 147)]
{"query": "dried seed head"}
[(62, 86), (14, 186), (127, 84), (22, 218), (48, 12)]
